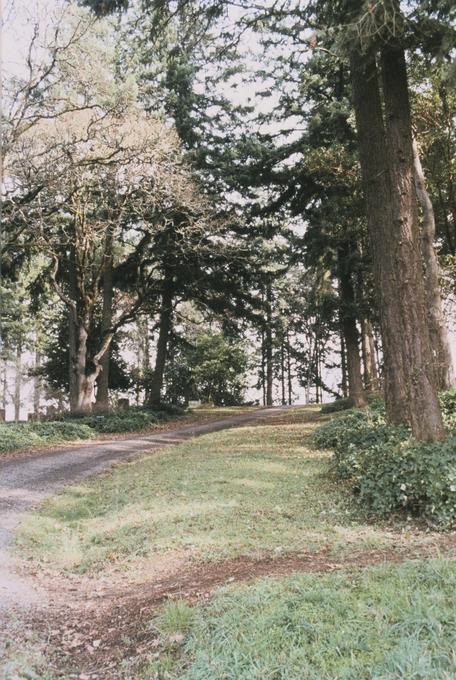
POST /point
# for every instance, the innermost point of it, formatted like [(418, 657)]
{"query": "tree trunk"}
[(37, 384), (290, 378), (424, 408), (263, 366), (18, 383), (102, 402), (400, 305), (73, 335), (166, 312), (349, 328), (343, 365), (268, 339), (440, 343), (282, 372), (4, 382), (368, 352)]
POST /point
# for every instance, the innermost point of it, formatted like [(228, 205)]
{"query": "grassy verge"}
[(256, 490), (382, 623)]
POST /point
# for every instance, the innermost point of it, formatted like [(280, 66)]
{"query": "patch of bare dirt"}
[(94, 632)]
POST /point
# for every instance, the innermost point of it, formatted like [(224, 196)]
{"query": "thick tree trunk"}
[(102, 402), (410, 395), (424, 408), (349, 328), (440, 343), (368, 351), (377, 191), (86, 372), (166, 313), (268, 340)]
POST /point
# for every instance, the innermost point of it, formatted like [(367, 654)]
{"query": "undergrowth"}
[(391, 472), (14, 436)]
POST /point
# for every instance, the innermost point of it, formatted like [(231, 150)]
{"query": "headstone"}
[(194, 403), (123, 404)]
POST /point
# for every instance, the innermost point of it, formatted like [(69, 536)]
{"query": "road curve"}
[(27, 481)]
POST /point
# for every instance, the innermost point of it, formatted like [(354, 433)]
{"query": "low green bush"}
[(130, 420), (336, 406), (171, 410), (347, 428), (71, 427), (448, 404), (415, 477), (388, 470), (27, 435)]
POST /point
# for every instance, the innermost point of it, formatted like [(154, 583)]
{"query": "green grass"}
[(380, 623), (254, 490)]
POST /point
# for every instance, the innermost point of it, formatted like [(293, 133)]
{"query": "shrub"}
[(130, 420), (171, 410), (347, 428), (71, 427), (416, 477), (448, 404), (390, 471), (336, 406), (27, 435)]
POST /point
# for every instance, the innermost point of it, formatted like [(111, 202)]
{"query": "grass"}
[(256, 490), (380, 623)]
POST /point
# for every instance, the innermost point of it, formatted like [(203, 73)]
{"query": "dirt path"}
[(27, 481), (116, 623)]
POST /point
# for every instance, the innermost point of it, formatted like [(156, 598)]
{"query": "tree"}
[(208, 366)]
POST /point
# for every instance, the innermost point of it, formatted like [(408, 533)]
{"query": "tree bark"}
[(343, 365), (263, 366), (377, 193), (368, 352), (72, 333), (166, 313), (409, 393), (424, 408), (290, 377), (102, 401), (440, 343), (349, 328), (18, 383), (268, 340), (37, 384)]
